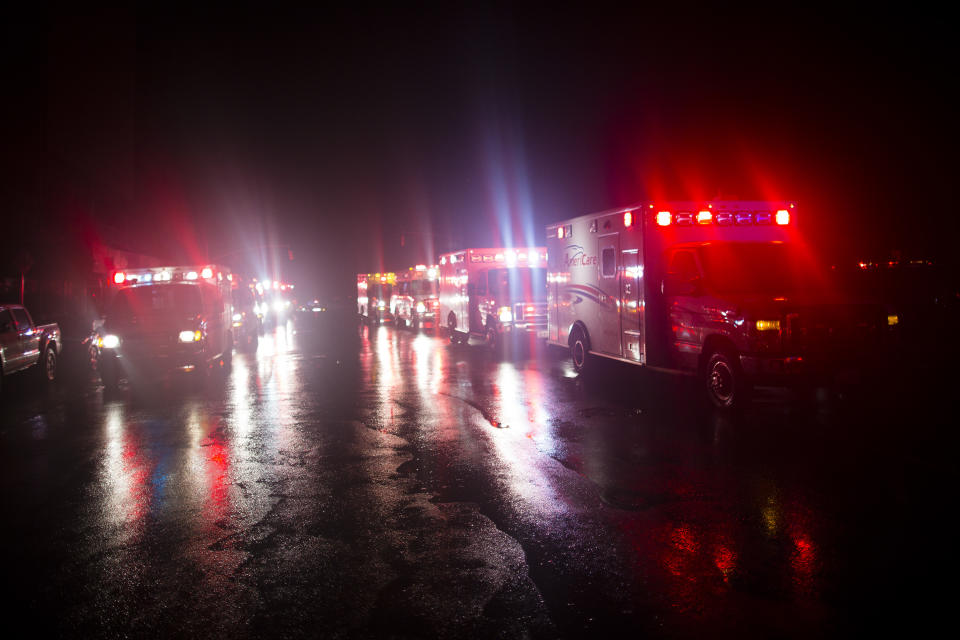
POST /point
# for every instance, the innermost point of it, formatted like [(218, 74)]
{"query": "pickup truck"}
[(24, 344)]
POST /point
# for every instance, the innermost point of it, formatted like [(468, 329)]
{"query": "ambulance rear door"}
[(607, 336)]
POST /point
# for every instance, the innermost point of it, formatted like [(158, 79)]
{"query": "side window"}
[(608, 262), (684, 266), (21, 317), (6, 321)]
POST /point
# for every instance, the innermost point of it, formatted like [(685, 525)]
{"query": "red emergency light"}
[(704, 217), (783, 217), (628, 219), (663, 218), (119, 277)]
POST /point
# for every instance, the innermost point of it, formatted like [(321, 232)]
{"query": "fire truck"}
[(415, 301), (722, 290), (373, 296), (166, 319), (493, 293)]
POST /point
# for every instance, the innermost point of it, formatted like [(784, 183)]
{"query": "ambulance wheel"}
[(452, 328), (493, 339), (579, 349), (727, 386)]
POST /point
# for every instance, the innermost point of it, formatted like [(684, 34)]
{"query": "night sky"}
[(331, 134)]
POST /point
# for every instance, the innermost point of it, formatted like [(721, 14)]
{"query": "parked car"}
[(24, 344)]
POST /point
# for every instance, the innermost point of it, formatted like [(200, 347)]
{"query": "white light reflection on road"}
[(518, 410)]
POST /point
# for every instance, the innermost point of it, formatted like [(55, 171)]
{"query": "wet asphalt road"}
[(376, 483)]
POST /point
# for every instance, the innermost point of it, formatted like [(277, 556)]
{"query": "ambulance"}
[(166, 319), (722, 290), (373, 296), (494, 293), (415, 302)]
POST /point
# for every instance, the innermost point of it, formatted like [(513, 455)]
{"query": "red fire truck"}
[(415, 302), (716, 289), (166, 319), (495, 292), (373, 296)]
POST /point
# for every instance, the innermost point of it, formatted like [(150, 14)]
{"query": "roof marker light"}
[(783, 217), (628, 219), (762, 217), (663, 218), (704, 217), (207, 272), (119, 277), (191, 275)]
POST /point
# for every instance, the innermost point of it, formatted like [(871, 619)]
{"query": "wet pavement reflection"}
[(369, 481)]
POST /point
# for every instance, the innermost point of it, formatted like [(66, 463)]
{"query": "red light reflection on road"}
[(126, 476)]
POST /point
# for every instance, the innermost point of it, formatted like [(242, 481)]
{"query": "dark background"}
[(363, 139)]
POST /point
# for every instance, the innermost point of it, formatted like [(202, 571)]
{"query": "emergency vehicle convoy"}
[(166, 319), (414, 302), (715, 289), (494, 293), (373, 296)]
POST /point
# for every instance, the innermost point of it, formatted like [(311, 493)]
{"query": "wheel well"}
[(452, 320), (582, 327), (713, 344)]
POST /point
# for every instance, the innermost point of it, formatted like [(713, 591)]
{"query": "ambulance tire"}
[(452, 328), (580, 350), (493, 341), (727, 386)]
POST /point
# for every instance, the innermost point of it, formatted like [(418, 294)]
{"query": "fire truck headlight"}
[(190, 336), (278, 306), (505, 314), (237, 317), (421, 308), (381, 305), (768, 325), (109, 341)]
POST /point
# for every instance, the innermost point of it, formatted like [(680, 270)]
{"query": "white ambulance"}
[(717, 289), (415, 302), (493, 293), (166, 319)]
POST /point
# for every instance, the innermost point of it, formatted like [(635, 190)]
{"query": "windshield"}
[(243, 299), (768, 269), (521, 284), (165, 301), (423, 287)]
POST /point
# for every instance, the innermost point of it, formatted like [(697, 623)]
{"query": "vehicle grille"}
[(834, 331)]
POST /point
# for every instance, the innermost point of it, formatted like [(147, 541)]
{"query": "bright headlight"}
[(505, 314), (237, 317), (109, 341), (421, 307), (190, 336)]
